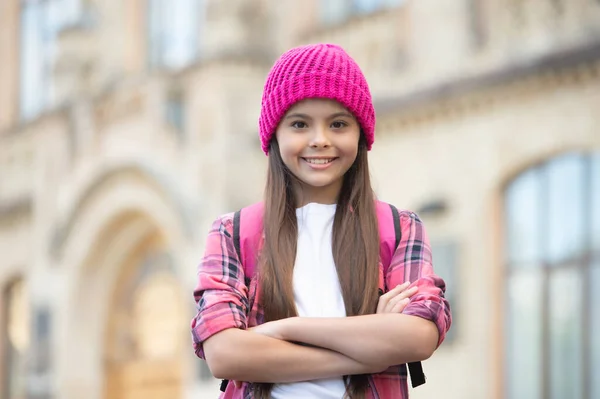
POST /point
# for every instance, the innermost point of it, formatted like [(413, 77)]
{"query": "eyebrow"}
[(332, 116)]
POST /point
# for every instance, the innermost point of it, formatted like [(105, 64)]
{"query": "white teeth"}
[(318, 161)]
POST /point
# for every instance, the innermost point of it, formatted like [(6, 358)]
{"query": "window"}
[(173, 32), (175, 111), (516, 11), (41, 20), (477, 24), (335, 11), (16, 340), (368, 6), (552, 328), (557, 6), (41, 358), (71, 11)]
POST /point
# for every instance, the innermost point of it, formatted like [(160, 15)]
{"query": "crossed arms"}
[(410, 323), (338, 346)]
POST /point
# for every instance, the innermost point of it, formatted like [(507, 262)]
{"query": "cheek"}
[(286, 152), (352, 156), (350, 149), (289, 155), (289, 147)]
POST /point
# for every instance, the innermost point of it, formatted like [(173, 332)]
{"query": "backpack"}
[(247, 233)]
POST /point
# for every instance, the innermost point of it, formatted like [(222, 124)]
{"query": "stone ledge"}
[(473, 92)]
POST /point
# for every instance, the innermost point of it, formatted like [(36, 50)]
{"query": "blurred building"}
[(126, 127)]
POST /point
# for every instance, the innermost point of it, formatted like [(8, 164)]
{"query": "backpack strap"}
[(236, 243), (397, 232), (223, 387), (236, 235), (388, 222), (247, 234), (417, 377), (390, 235)]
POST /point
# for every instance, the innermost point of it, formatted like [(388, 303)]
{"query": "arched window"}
[(40, 23), (552, 308), (16, 339)]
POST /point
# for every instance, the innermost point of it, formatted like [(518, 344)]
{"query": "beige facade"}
[(110, 179)]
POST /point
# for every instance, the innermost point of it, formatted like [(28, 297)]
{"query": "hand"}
[(395, 300), (273, 329)]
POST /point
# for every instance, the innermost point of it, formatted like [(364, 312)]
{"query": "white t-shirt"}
[(317, 292)]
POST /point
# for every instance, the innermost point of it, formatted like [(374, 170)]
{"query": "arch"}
[(529, 161), (158, 181), (117, 216), (14, 336)]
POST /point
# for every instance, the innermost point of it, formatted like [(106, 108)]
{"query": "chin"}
[(318, 183)]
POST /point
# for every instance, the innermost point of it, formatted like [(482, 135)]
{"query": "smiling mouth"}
[(319, 161)]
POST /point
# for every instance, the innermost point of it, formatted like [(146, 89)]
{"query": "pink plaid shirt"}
[(225, 298)]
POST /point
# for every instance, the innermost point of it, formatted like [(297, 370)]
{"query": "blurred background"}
[(128, 126)]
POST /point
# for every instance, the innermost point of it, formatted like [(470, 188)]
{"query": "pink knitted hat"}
[(315, 71)]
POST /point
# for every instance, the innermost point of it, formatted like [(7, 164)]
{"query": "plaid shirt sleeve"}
[(221, 296), (412, 262)]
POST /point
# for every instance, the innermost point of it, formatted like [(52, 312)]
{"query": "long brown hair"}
[(355, 247)]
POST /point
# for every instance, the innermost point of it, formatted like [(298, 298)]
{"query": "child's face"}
[(318, 141)]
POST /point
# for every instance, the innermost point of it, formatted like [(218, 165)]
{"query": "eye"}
[(339, 124), (299, 125)]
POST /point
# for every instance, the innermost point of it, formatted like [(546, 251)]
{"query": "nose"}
[(320, 138)]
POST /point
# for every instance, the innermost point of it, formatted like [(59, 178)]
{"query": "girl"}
[(310, 323)]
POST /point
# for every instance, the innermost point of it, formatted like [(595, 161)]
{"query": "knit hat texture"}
[(315, 71)]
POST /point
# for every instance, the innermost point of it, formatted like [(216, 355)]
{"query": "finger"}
[(385, 298), (400, 306), (238, 384), (398, 289), (394, 291), (403, 295), (410, 292)]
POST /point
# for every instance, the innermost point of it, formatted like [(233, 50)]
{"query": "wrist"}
[(286, 328)]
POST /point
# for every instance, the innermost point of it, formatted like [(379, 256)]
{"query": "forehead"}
[(317, 106)]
